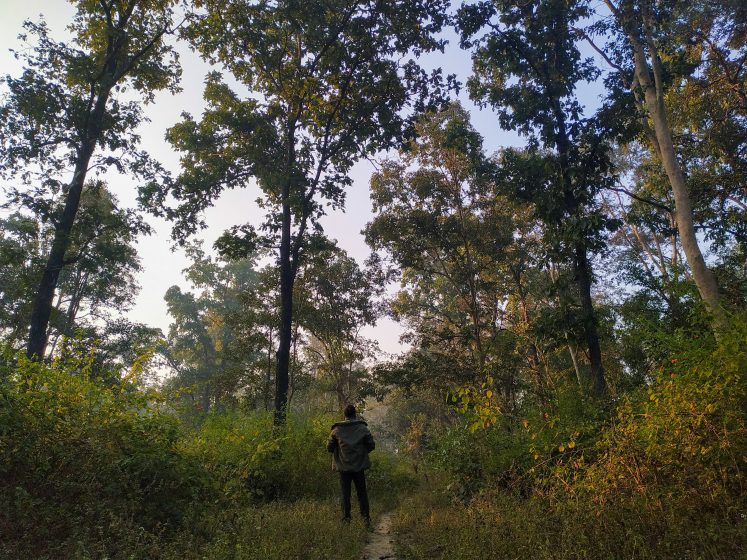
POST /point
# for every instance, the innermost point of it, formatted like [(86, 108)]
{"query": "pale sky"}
[(162, 266)]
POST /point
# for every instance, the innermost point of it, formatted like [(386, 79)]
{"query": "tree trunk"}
[(581, 265), (654, 101), (286, 312), (268, 373), (583, 280), (205, 396), (572, 352), (42, 309), (340, 392), (704, 278), (293, 363)]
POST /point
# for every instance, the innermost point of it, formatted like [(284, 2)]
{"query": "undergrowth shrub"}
[(299, 530), (684, 437), (102, 467), (661, 476), (676, 453), (85, 464), (515, 451), (250, 460)]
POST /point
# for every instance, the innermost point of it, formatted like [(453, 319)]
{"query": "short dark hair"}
[(349, 411)]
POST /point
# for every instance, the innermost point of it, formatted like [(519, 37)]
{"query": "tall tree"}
[(210, 344), (100, 274), (326, 85), (527, 66), (440, 217), (337, 299), (67, 106), (653, 32)]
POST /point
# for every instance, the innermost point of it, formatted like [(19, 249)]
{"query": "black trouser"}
[(359, 478)]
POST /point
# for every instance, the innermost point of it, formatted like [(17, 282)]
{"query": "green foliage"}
[(218, 335), (335, 299), (252, 461), (444, 222), (661, 477), (86, 464), (99, 276), (65, 116), (68, 98), (94, 466), (334, 84), (683, 439), (478, 402)]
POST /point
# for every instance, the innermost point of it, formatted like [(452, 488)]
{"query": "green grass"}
[(430, 526), (300, 530)]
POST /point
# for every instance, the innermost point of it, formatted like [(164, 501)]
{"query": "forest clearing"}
[(536, 306)]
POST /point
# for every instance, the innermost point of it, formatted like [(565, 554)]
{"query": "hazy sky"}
[(162, 266)]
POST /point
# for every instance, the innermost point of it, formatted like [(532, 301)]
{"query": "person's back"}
[(350, 443)]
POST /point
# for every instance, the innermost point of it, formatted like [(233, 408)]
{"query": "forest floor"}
[(380, 544)]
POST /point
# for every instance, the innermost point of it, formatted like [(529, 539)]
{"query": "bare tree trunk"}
[(583, 279), (268, 376), (572, 352), (654, 103), (286, 313), (42, 310), (292, 368)]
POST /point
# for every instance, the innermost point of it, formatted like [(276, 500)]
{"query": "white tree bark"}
[(653, 101)]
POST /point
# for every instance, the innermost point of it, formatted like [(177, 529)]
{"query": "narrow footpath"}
[(381, 543)]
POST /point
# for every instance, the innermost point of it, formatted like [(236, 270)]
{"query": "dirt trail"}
[(381, 543)]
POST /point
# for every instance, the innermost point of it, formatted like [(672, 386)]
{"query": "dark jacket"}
[(350, 443)]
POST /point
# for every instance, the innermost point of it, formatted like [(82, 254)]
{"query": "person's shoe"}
[(367, 523)]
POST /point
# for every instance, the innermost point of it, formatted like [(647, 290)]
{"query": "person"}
[(350, 443)]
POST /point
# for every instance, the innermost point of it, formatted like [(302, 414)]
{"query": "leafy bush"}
[(680, 442), (84, 464), (91, 468), (250, 460), (662, 477), (516, 452)]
